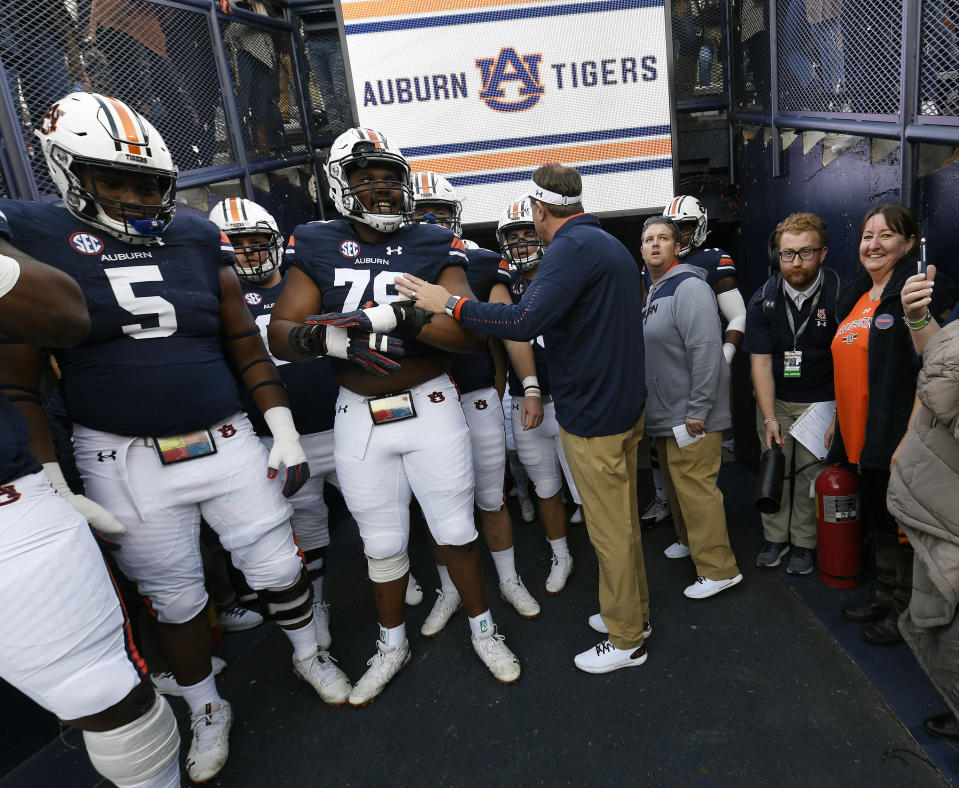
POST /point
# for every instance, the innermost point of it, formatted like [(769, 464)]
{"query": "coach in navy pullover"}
[(585, 302)]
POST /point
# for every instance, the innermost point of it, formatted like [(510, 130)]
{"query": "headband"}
[(537, 192)]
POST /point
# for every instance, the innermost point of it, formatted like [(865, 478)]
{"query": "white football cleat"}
[(443, 609), (559, 572), (676, 550), (321, 672), (383, 666), (502, 662), (238, 619), (211, 742), (514, 593)]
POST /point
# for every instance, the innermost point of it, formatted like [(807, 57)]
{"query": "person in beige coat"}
[(922, 497)]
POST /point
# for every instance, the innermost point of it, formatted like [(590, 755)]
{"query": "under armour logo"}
[(480, 404), (397, 250), (103, 456), (341, 408), (227, 430), (8, 494), (437, 396)]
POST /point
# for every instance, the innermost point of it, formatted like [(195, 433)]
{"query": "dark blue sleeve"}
[(542, 304), (954, 314), (758, 337)]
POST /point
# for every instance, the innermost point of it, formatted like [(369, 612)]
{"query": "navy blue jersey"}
[(15, 460), (472, 371), (153, 363), (350, 273), (517, 288), (715, 263), (310, 387)]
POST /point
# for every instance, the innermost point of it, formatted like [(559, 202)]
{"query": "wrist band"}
[(533, 391), (769, 419), (919, 324), (530, 380), (9, 274)]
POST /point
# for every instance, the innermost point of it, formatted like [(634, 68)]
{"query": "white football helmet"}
[(690, 217), (85, 130), (432, 189), (524, 255), (238, 217), (359, 147)]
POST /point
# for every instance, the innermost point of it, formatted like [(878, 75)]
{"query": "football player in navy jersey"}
[(691, 218), (83, 666), (159, 433), (435, 202), (535, 430), (405, 435)]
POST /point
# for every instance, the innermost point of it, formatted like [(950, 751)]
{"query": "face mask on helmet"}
[(255, 237), (110, 167), (516, 234), (435, 202), (689, 214), (369, 180)]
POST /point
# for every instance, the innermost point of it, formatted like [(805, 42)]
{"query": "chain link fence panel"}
[(698, 42), (749, 43), (939, 58), (264, 88), (329, 91), (839, 56)]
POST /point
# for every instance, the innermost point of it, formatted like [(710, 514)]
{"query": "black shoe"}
[(945, 726), (875, 609), (883, 633)]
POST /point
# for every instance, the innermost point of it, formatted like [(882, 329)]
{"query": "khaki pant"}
[(777, 527), (604, 470), (697, 504)]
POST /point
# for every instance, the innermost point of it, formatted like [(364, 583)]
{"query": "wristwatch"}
[(451, 303)]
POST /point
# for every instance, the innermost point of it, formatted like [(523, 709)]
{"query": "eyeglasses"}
[(788, 255), (659, 220)]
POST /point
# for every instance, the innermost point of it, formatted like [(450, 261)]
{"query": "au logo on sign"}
[(509, 67)]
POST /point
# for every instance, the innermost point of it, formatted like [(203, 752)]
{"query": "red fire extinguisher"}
[(837, 527)]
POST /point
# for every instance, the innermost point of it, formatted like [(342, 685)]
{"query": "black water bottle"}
[(769, 481)]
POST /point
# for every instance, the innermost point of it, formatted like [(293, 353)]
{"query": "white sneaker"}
[(526, 510), (704, 587), (502, 662), (414, 591), (596, 622), (676, 550), (656, 512), (443, 609), (577, 518), (211, 742), (605, 657), (165, 683), (321, 623), (561, 569), (515, 593), (383, 666), (238, 619), (321, 672)]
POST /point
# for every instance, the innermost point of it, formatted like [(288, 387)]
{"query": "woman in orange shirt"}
[(875, 378)]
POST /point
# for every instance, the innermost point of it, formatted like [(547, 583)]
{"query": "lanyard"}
[(789, 313)]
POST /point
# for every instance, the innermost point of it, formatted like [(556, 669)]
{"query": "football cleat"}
[(514, 593), (443, 609), (383, 666), (210, 746), (321, 672), (502, 662)]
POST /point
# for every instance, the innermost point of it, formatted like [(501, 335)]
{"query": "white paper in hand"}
[(683, 438)]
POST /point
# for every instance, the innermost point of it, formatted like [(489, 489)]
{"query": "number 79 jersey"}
[(153, 363), (350, 272)]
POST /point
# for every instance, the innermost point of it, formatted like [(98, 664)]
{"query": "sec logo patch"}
[(349, 248), (86, 243), (253, 299), (884, 321)]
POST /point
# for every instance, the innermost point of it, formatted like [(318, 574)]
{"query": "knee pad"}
[(180, 607), (139, 750), (383, 570), (292, 606)]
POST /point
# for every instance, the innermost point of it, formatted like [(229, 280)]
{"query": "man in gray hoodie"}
[(687, 405)]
